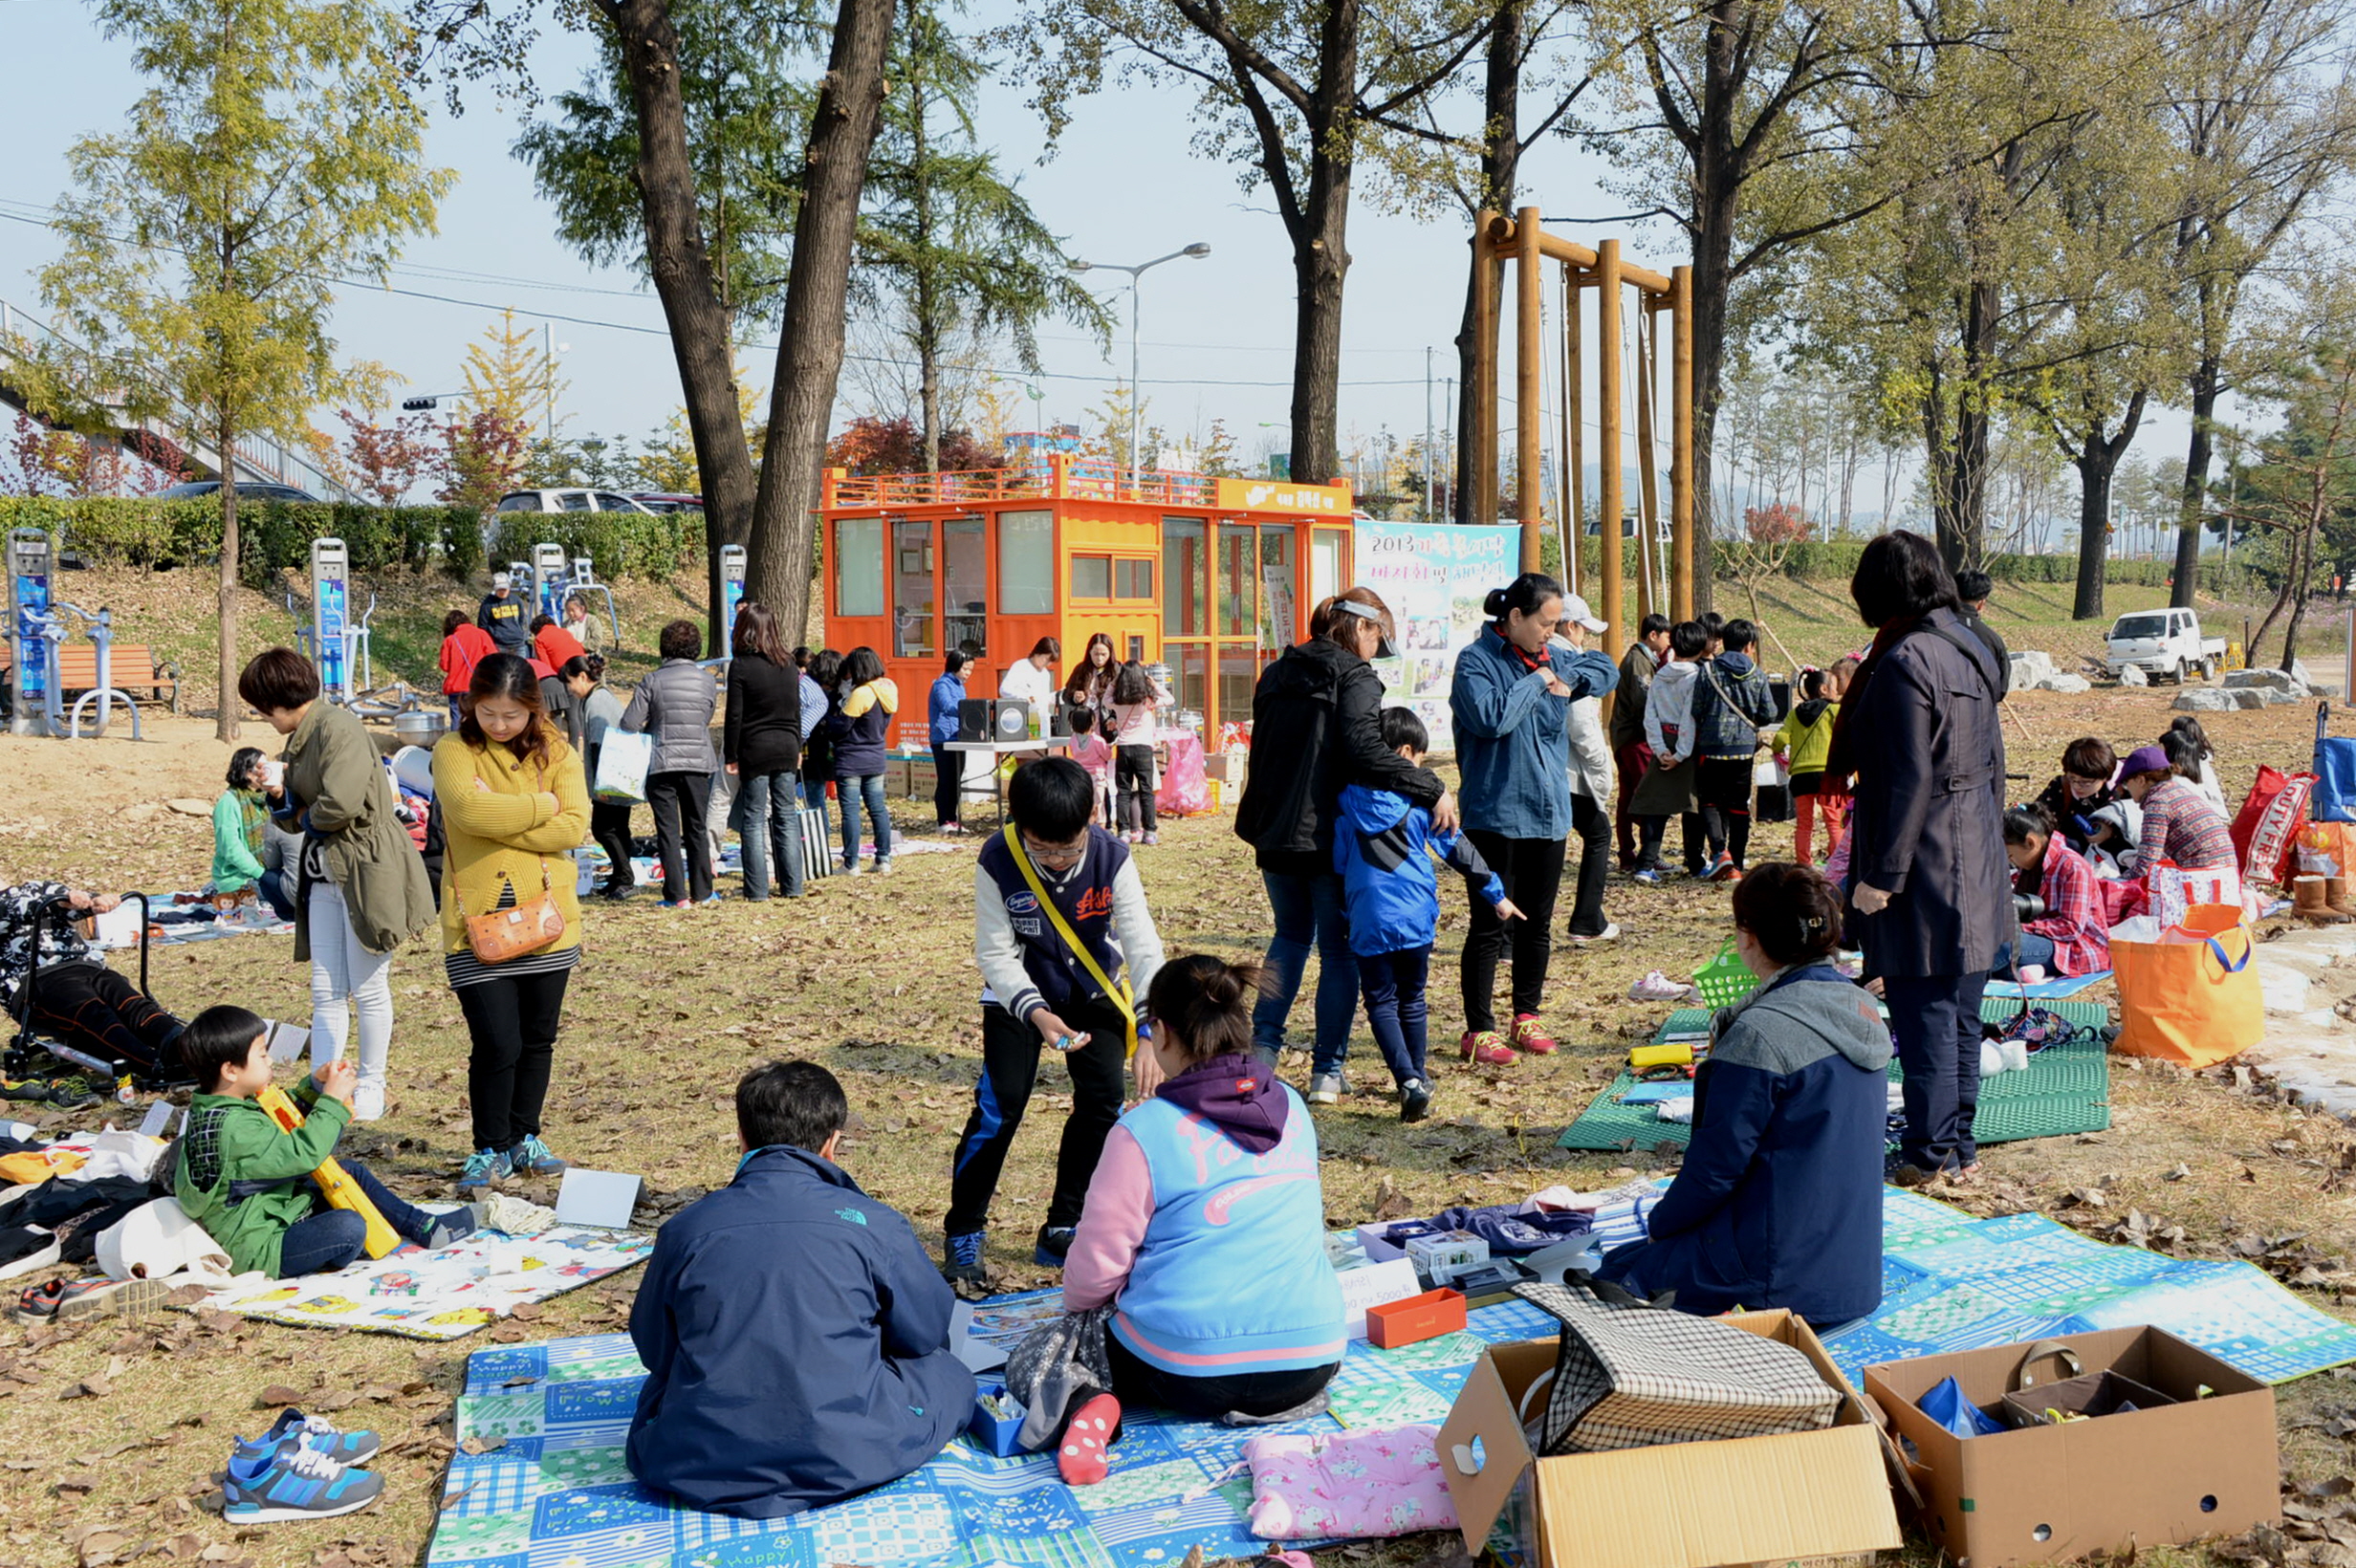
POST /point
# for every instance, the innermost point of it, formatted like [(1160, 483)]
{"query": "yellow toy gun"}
[(337, 1184)]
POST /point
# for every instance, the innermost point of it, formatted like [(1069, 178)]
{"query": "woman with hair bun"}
[(1779, 1202), (1210, 1183)]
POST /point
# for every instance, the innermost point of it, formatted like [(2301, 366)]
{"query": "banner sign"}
[(1434, 576), (1283, 495)]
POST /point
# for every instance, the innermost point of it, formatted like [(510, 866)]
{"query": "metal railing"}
[(1057, 476), (254, 460)]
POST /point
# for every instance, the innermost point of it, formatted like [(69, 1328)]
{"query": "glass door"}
[(913, 599)]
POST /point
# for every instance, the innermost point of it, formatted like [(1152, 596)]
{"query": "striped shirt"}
[(2183, 825), (464, 970)]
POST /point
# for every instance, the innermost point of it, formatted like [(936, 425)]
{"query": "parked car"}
[(2163, 642), (568, 498), (247, 490), (666, 501)]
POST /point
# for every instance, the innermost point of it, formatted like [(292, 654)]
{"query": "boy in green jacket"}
[(247, 1181)]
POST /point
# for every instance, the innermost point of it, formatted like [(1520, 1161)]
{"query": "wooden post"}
[(1681, 445), (1647, 483), (1607, 443), (1574, 429), (1484, 431), (1529, 388)]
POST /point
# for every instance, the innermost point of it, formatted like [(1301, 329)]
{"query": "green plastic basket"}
[(1725, 979)]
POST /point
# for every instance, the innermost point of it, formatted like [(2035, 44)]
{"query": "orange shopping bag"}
[(2192, 996)]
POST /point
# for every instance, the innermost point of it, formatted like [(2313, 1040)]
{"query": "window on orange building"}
[(1026, 562), (1092, 576), (858, 566), (1133, 579)]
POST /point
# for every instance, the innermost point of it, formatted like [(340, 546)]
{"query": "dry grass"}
[(119, 1426)]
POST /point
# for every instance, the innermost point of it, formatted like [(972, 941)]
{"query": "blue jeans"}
[(1394, 984), (814, 798), (2031, 949), (769, 798), (867, 791), (272, 886), (1936, 1021), (457, 708), (330, 1238), (1309, 912)]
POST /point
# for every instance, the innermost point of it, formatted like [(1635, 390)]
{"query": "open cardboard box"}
[(2201, 1467), (1680, 1505)]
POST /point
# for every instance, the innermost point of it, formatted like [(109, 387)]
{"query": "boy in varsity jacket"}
[(1039, 994)]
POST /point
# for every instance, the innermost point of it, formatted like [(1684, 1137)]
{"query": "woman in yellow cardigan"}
[(514, 804)]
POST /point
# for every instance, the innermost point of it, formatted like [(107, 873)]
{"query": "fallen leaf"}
[(277, 1394), (483, 1444)]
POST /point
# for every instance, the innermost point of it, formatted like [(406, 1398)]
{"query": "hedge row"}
[(131, 531), (622, 543)]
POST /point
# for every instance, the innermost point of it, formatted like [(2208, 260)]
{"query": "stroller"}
[(25, 1049)]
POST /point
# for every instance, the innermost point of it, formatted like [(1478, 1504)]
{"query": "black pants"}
[(1532, 872), (1724, 788), (1139, 1382), (1011, 1051), (92, 1009), (512, 1021), (1593, 825), (947, 778), (681, 802), (1133, 786), (609, 824), (1936, 1021)]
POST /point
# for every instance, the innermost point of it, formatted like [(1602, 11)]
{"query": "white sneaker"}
[(883, 866), (367, 1103), (1325, 1088), (1656, 987), (1609, 933)]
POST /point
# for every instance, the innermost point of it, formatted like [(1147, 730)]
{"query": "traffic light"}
[(416, 405)]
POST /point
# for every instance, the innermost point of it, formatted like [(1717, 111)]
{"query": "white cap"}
[(500, 579), (1575, 608)]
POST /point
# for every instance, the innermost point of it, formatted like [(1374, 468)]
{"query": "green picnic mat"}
[(2066, 1089), (1694, 1021)]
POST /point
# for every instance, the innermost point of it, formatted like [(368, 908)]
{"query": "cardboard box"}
[(1425, 1316), (1383, 1240), (1680, 1505), (1441, 1256), (2050, 1493)]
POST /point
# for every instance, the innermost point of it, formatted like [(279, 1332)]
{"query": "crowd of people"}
[(1184, 1161)]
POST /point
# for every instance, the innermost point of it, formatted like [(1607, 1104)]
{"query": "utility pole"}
[(1427, 433)]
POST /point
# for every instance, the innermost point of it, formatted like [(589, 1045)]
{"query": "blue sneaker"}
[(293, 1482), (1649, 876), (315, 1432), (483, 1167), (961, 1259), (1054, 1242), (534, 1158), (714, 899)]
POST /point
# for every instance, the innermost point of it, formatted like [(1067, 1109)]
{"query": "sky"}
[(1125, 185)]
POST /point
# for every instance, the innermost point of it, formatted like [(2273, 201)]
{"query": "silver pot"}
[(420, 725)]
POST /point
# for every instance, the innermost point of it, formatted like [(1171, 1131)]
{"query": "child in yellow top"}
[(1808, 736)]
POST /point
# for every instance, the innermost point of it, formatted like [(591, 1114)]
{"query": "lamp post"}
[(1136, 396)]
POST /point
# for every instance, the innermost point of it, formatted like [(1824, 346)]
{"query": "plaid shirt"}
[(2072, 919)]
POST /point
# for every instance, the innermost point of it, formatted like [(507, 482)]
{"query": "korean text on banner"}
[(1434, 576)]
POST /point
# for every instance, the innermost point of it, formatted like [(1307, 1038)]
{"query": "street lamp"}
[(1136, 397)]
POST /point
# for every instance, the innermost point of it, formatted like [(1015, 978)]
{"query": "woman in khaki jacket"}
[(515, 805), (362, 890)]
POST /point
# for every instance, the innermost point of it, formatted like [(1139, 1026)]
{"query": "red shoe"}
[(1081, 1457), (1484, 1047), (1529, 1036)]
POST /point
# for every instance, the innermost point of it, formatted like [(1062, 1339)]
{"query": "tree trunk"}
[(2205, 380), (225, 442), (1501, 166), (1713, 238), (2299, 584), (1320, 249), (927, 303), (702, 322), (817, 286), (2097, 463)]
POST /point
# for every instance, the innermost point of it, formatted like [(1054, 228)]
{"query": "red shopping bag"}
[(2267, 829)]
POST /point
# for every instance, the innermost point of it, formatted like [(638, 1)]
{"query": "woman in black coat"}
[(1316, 726), (760, 742), (1928, 882)]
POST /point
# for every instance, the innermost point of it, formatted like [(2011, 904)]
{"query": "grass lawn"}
[(112, 1430)]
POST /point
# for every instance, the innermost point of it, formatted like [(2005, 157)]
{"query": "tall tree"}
[(1288, 91), (951, 254), (2263, 114), (505, 373), (275, 152)]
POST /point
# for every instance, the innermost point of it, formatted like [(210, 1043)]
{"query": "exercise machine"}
[(554, 580), (731, 594), (340, 646), (31, 558), (101, 630)]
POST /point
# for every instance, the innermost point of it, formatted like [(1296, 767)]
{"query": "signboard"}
[(29, 584), (1434, 576), (731, 594), (1283, 495), (331, 593)]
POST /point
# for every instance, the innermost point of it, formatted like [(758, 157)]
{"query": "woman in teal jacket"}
[(239, 820), (1511, 699)]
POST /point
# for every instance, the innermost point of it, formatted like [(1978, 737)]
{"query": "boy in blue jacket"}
[(794, 1334), (1384, 847)]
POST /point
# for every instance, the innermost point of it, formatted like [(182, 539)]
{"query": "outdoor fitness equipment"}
[(731, 594), (554, 582), (30, 675), (340, 647)]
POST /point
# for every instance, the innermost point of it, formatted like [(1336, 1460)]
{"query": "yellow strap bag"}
[(1118, 993)]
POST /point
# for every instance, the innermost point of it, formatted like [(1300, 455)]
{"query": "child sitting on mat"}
[(1779, 1202), (247, 1181), (794, 1334), (2065, 932), (1205, 1230)]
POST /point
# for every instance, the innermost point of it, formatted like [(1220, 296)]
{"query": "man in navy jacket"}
[(794, 1334)]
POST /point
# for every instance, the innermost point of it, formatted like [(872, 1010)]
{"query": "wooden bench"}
[(134, 667)]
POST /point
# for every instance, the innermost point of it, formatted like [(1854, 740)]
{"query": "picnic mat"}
[(1693, 1023), (1950, 1282), (439, 1295), (556, 1490), (2066, 1089), (2064, 984)]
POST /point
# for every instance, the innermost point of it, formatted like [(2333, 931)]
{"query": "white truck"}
[(2163, 642)]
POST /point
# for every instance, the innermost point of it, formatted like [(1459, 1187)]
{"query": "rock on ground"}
[(2266, 680), (2031, 670), (2130, 676), (2212, 702), (2067, 682)]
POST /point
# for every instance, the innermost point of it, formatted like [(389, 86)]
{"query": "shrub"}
[(139, 531), (622, 543)]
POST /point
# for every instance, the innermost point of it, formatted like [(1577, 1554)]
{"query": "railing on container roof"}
[(1063, 476)]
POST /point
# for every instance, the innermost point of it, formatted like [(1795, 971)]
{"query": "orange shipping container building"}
[(1210, 575)]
